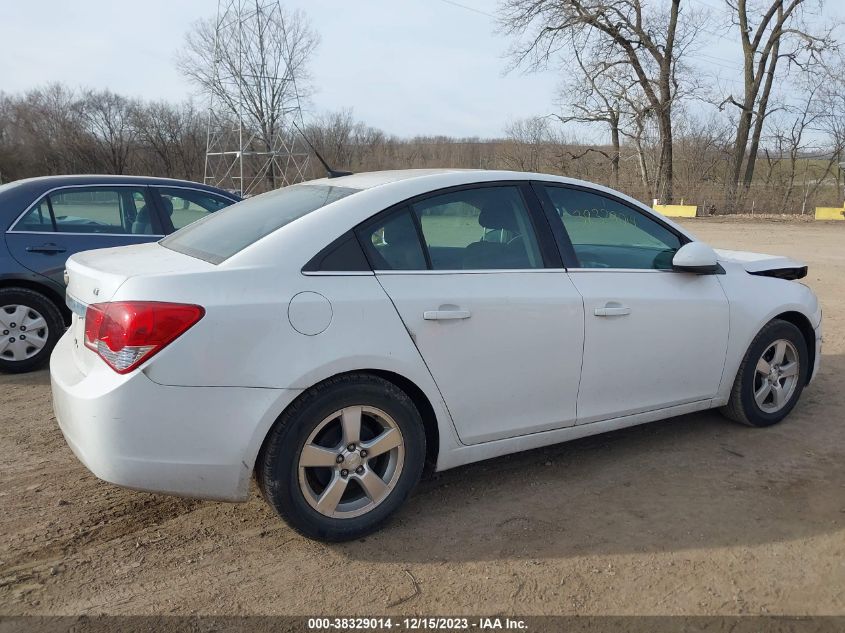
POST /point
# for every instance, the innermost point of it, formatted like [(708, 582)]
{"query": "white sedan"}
[(330, 338)]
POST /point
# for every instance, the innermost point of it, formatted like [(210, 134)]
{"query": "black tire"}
[(742, 407), (53, 318), (277, 468)]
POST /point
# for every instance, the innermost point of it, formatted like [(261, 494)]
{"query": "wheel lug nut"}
[(22, 337), (5, 332), (23, 328), (344, 473), (363, 453), (360, 470), (13, 324), (11, 339), (350, 447), (339, 459)]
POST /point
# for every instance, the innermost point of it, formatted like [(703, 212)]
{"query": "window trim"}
[(46, 195), (549, 253), (561, 235)]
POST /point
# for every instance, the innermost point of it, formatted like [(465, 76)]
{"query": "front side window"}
[(112, 210), (482, 228), (220, 235), (608, 234), (184, 206)]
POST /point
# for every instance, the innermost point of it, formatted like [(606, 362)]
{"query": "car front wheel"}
[(343, 457), (30, 326), (771, 377)]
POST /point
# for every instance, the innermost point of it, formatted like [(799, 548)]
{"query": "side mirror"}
[(695, 257)]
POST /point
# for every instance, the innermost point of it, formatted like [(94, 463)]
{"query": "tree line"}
[(768, 138), (635, 69)]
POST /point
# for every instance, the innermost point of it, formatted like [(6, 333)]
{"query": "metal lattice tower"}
[(252, 144)]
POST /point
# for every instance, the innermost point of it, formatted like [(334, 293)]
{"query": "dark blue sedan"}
[(46, 220)]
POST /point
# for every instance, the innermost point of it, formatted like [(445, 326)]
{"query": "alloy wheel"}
[(351, 462), (776, 376)]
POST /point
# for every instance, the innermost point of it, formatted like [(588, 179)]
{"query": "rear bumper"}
[(189, 441)]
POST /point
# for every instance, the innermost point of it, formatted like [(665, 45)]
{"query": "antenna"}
[(331, 173)]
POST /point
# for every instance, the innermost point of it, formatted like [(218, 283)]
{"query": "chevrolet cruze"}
[(330, 338)]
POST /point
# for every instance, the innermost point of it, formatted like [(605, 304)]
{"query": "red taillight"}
[(126, 333)]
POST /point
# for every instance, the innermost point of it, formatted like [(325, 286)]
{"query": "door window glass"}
[(480, 228), (393, 243), (187, 205), (38, 219), (109, 210), (608, 234)]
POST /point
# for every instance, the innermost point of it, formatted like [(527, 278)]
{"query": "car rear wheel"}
[(30, 326), (343, 457), (771, 377)]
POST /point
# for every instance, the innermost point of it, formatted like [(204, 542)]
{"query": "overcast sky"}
[(406, 66)]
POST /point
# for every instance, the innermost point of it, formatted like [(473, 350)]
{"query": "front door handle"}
[(612, 308), (50, 249), (445, 315)]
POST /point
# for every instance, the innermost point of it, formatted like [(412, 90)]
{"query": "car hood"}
[(763, 264)]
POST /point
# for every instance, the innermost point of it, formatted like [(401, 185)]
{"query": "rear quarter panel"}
[(246, 338)]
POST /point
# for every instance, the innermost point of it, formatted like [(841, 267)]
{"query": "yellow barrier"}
[(830, 213), (677, 210)]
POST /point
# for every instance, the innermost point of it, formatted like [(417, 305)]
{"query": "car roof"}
[(380, 190), (369, 179), (44, 183)]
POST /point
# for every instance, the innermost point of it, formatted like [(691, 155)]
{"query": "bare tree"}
[(529, 142), (594, 96), (174, 136), (780, 33), (652, 43), (261, 78), (830, 106), (107, 118)]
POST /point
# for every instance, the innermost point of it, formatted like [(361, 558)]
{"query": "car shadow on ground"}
[(690, 482)]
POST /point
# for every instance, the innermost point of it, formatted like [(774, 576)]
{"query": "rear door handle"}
[(445, 315), (45, 248), (612, 308)]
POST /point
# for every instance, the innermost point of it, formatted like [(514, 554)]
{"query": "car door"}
[(487, 302), (182, 205), (73, 219), (654, 338)]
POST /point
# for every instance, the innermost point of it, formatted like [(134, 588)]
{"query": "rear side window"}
[(220, 235), (480, 228), (184, 206), (38, 219), (394, 244)]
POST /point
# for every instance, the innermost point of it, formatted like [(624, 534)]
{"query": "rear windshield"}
[(222, 234)]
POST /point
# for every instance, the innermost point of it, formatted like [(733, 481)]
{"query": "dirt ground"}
[(692, 515)]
